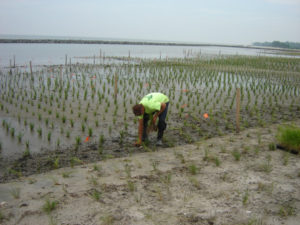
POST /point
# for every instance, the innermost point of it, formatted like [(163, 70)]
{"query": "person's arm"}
[(162, 108), (140, 132)]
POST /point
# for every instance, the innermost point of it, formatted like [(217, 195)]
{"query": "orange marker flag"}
[(185, 90), (205, 115), (146, 85), (87, 139), (184, 105)]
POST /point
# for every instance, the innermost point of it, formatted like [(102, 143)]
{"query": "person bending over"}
[(152, 106)]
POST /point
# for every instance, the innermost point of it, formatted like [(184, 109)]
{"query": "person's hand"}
[(154, 120)]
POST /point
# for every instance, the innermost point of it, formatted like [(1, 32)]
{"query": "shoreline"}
[(69, 41)]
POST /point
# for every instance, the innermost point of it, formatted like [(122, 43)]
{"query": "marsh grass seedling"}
[(272, 146), (15, 192), (72, 122), (75, 160), (267, 167), (26, 152), (193, 169), (131, 186), (268, 188), (90, 131), (31, 126), (285, 158), (236, 154), (39, 130), (93, 180), (66, 174), (287, 210), (95, 194), (56, 163), (155, 164), (166, 179), (49, 206), (96, 168), (108, 220), (256, 150), (195, 182), (245, 197), (20, 135), (127, 169), (206, 155), (217, 161)]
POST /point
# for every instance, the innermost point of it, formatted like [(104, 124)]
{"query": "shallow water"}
[(48, 54)]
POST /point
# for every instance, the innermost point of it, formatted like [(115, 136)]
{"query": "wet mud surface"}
[(180, 131)]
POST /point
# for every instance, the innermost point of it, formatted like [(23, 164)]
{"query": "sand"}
[(200, 183)]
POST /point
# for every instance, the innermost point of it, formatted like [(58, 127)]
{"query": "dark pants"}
[(161, 124)]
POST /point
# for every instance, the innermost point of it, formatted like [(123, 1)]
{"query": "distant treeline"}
[(278, 44)]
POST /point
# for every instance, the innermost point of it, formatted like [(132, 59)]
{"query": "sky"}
[(200, 21)]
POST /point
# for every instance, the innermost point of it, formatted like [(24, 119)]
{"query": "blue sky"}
[(201, 21)]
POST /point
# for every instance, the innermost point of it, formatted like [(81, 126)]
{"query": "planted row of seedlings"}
[(70, 106)]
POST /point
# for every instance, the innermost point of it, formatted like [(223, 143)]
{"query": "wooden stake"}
[(14, 61), (100, 57), (66, 60), (116, 86), (60, 68), (30, 64), (238, 110), (94, 59), (70, 64)]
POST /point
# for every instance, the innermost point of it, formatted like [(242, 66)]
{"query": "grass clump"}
[(49, 206), (66, 174), (236, 154), (289, 137), (95, 194), (107, 220), (193, 169), (15, 192), (131, 186), (287, 210)]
